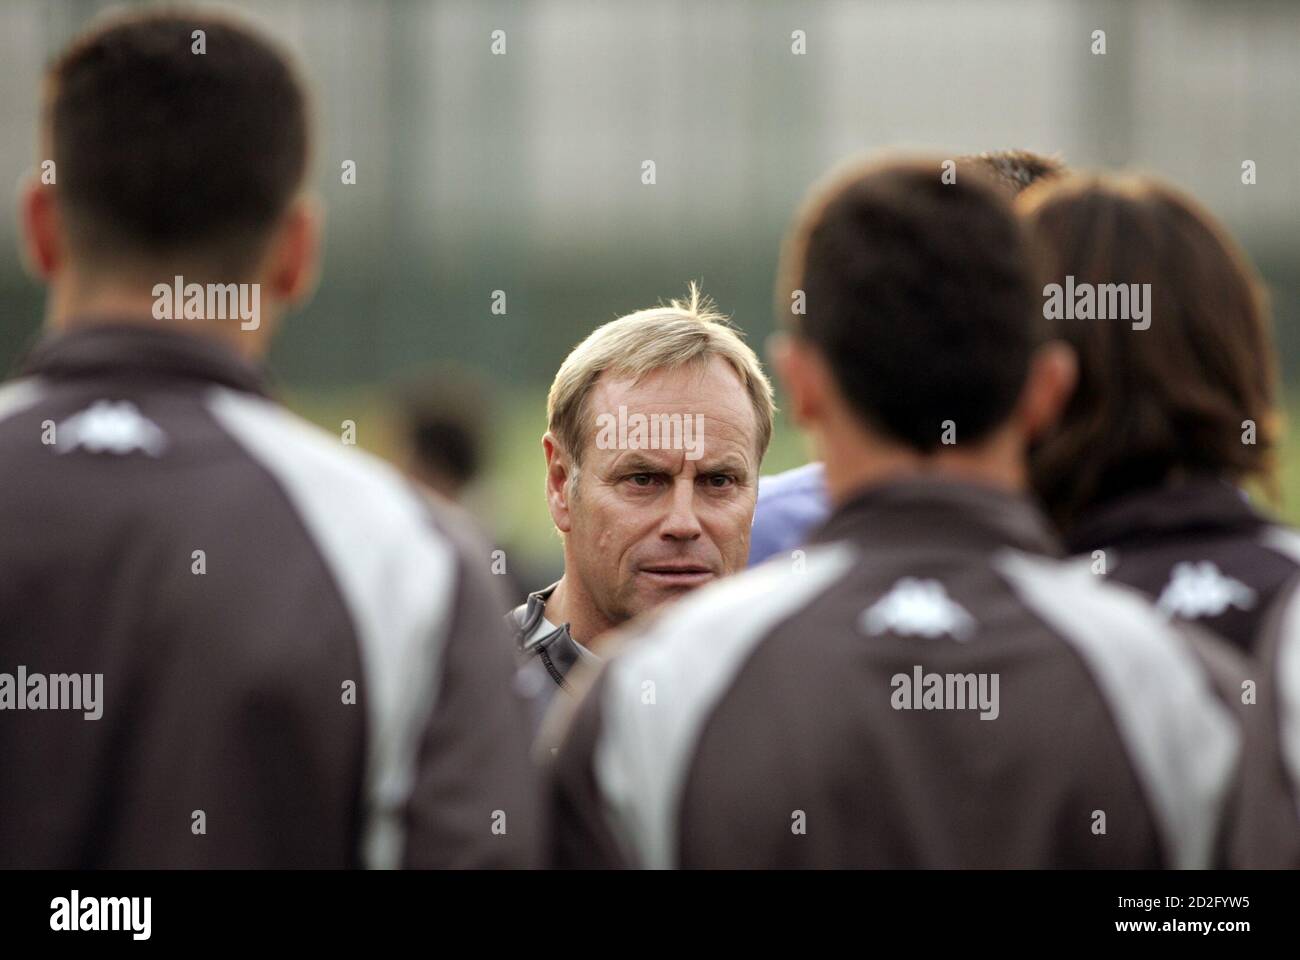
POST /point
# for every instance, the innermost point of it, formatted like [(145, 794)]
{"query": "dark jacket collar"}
[(130, 350), (1200, 504), (929, 511)]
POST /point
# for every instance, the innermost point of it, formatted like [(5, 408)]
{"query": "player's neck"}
[(77, 305), (863, 461)]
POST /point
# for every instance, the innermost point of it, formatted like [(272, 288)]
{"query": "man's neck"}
[(71, 306), (858, 463), (569, 604)]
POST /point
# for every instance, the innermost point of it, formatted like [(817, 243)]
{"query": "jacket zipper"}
[(551, 668)]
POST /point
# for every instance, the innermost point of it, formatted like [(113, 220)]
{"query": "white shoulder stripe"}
[(1288, 686), (1286, 541), (17, 395), (1282, 540), (690, 654), (396, 575), (1182, 741)]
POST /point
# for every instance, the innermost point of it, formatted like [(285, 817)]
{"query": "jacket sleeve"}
[(1277, 712), (1260, 828), (476, 799)]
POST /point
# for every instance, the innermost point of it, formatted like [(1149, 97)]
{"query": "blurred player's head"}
[(1187, 389), (658, 423), (917, 339), (443, 414), (179, 143)]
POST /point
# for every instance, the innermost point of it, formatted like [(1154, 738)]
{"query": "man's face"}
[(647, 525)]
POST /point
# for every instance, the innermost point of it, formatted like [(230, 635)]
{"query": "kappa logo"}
[(107, 427), (915, 607), (1202, 590)]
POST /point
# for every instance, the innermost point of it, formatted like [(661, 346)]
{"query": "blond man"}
[(657, 426)]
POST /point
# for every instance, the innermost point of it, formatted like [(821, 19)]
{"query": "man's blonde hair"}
[(684, 332)]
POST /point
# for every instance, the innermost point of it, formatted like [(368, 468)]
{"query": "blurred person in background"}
[(657, 425), (267, 650), (792, 504), (443, 412), (1175, 411), (935, 685)]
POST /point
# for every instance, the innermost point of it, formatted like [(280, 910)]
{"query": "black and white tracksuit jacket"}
[(301, 663), (928, 684), (1198, 549), (1203, 554)]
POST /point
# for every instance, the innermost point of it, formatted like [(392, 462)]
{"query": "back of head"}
[(920, 295), (1168, 395), (179, 138)]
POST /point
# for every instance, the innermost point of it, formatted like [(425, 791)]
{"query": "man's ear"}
[(803, 373), (40, 230), (292, 264), (558, 473), (1053, 375)]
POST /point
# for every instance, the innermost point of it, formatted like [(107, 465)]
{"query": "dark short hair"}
[(162, 154), (1169, 398), (920, 294)]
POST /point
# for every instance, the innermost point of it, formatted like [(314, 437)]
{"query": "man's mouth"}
[(677, 574)]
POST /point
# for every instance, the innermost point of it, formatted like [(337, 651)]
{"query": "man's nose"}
[(681, 522)]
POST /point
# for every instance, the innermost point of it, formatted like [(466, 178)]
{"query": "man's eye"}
[(642, 479), (720, 480)]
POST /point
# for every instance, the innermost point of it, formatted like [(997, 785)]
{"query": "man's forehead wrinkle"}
[(725, 414), (719, 432), (675, 462), (737, 458), (731, 464), (730, 446), (737, 424), (650, 458)]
